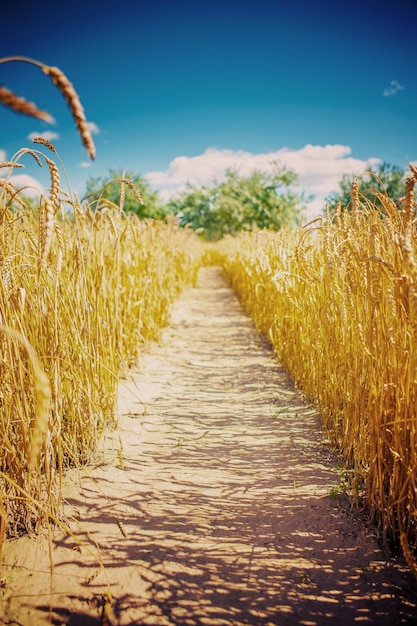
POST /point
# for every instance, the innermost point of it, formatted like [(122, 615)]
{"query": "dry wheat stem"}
[(42, 394), (46, 231), (48, 514)]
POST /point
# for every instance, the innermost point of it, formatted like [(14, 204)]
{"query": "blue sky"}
[(179, 91)]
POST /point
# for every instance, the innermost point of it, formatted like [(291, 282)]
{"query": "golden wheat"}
[(42, 394), (33, 153), (62, 83), (133, 187), (66, 88), (46, 230), (55, 183), (13, 193), (339, 304), (86, 290), (20, 105), (11, 164), (409, 200), (44, 142)]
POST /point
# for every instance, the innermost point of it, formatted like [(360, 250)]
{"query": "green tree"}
[(386, 178), (261, 200), (112, 189)]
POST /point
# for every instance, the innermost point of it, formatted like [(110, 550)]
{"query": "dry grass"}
[(338, 301), (80, 294)]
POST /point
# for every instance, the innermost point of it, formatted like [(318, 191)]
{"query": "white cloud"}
[(30, 187), (84, 164), (49, 135), (393, 88), (319, 169), (94, 129)]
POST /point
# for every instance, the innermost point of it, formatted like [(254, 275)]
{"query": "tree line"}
[(261, 200)]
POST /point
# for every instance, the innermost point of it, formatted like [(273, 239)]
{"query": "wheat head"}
[(21, 105), (62, 83)]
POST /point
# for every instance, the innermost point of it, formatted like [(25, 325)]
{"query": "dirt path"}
[(221, 513)]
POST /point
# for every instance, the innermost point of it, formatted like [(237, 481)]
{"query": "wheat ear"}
[(67, 89), (44, 142), (55, 182), (133, 187), (46, 231), (11, 164), (13, 193), (409, 194), (354, 194), (21, 105), (62, 83), (409, 200)]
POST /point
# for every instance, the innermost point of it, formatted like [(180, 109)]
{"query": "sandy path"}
[(221, 512)]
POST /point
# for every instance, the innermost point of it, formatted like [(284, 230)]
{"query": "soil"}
[(211, 504)]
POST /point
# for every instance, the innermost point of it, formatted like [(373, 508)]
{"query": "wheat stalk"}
[(42, 393), (410, 560), (46, 231), (61, 248)]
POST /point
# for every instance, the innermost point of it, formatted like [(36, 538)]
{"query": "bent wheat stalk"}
[(66, 88)]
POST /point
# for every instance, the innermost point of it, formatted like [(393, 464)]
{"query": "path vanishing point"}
[(210, 505)]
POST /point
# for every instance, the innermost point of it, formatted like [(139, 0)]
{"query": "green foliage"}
[(387, 179), (261, 200), (102, 192)]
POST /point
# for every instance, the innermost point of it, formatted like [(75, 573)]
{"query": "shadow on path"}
[(221, 513)]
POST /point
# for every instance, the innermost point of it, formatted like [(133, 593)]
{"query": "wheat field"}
[(81, 293), (84, 288), (338, 301)]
